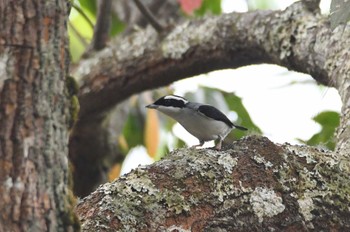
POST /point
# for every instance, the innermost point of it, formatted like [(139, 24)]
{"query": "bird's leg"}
[(201, 143), (218, 145)]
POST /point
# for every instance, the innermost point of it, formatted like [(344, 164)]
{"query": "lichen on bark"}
[(194, 190)]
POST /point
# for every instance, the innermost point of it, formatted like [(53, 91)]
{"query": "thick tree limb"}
[(254, 185), (294, 38)]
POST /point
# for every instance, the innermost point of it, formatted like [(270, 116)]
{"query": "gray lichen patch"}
[(261, 160), (227, 162), (5, 64), (320, 175), (201, 165), (266, 203), (224, 189), (172, 46), (136, 44), (306, 205), (183, 37), (177, 228), (174, 201), (140, 183)]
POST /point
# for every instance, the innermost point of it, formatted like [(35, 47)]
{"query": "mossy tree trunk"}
[(34, 62)]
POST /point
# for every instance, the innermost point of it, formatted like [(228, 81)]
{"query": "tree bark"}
[(252, 185), (298, 38), (34, 62)]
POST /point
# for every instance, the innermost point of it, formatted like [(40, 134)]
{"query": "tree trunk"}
[(34, 61)]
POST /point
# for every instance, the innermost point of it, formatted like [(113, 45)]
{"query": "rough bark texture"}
[(298, 38), (252, 185), (34, 61)]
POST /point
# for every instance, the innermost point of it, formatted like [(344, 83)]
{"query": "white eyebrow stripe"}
[(176, 98)]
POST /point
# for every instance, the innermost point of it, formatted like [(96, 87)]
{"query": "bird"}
[(205, 122)]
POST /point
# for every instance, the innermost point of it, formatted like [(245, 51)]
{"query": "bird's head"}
[(168, 104)]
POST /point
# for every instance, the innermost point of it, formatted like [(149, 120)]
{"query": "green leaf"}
[(235, 104), (80, 32), (329, 121), (76, 48), (89, 5), (212, 6), (117, 26), (340, 12), (180, 143), (261, 5), (134, 129)]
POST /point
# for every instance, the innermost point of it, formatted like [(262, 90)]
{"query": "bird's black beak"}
[(152, 106)]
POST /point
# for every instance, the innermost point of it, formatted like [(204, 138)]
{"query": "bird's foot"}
[(195, 146), (198, 145), (218, 146)]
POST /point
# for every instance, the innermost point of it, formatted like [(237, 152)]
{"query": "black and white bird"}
[(205, 122)]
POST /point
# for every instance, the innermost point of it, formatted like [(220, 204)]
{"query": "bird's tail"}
[(240, 127)]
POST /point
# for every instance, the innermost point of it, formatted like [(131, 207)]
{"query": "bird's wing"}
[(214, 113)]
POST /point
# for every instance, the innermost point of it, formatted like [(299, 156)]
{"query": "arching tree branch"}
[(293, 38)]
